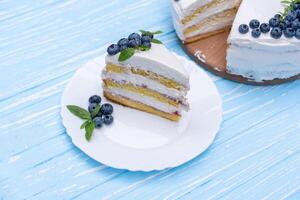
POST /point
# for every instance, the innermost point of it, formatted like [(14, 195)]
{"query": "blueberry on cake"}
[(142, 73)]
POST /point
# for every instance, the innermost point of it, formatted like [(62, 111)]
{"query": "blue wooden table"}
[(256, 155)]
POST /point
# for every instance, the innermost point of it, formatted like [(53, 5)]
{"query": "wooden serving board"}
[(210, 53)]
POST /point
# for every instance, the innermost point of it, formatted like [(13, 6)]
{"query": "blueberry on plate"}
[(291, 16), (265, 28), (289, 32), (256, 33), (134, 36), (278, 16), (92, 107), (243, 28), (297, 34), (123, 42), (276, 33), (288, 24), (113, 49), (108, 119), (296, 6), (148, 34), (274, 22), (296, 24), (146, 38), (95, 99), (98, 121), (254, 23), (282, 25), (298, 12), (106, 109)]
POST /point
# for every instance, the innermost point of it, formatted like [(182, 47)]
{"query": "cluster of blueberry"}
[(134, 40), (287, 25), (104, 115)]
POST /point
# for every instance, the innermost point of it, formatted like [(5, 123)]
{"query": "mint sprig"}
[(289, 6), (88, 124), (127, 53)]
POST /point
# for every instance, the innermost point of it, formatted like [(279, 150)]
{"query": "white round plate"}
[(139, 141)]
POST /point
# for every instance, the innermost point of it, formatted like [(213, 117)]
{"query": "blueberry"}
[(123, 42), (298, 12), (289, 32), (92, 107), (108, 119), (274, 22), (146, 38), (292, 15), (106, 109), (148, 34), (254, 23), (95, 99), (113, 49), (277, 16), (296, 6), (276, 33), (133, 43), (134, 36), (98, 121), (147, 44), (265, 28), (282, 25), (243, 28), (256, 33), (296, 24), (288, 24)]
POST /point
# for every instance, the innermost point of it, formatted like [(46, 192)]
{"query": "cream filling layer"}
[(144, 100), (143, 81)]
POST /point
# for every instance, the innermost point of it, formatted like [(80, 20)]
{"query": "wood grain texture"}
[(210, 52), (256, 155)]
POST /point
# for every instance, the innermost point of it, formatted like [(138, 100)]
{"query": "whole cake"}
[(264, 42), (142, 73)]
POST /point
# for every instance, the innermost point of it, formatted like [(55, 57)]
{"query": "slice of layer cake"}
[(195, 19), (146, 76)]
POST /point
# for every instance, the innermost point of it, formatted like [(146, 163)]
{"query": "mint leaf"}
[(156, 41), (96, 111), (84, 124), (157, 32), (89, 129), (145, 32), (79, 112), (126, 54), (143, 48)]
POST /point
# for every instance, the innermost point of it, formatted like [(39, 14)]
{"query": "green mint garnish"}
[(129, 52), (88, 124), (89, 129), (79, 112), (156, 41), (289, 6), (126, 54)]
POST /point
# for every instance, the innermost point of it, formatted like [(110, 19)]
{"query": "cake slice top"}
[(158, 59), (262, 11)]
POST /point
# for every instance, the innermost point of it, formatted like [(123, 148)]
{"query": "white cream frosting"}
[(262, 58), (184, 8), (140, 81), (158, 60), (145, 100)]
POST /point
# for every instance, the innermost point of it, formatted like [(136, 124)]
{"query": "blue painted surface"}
[(256, 155)]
